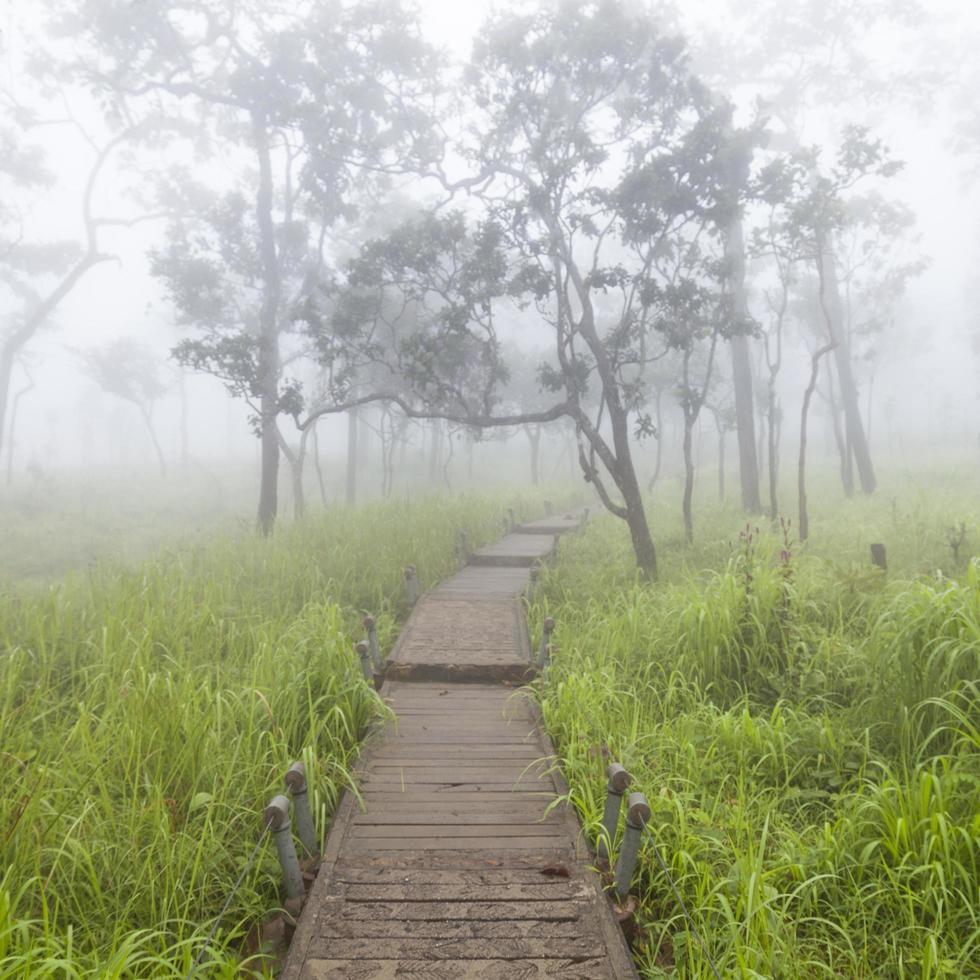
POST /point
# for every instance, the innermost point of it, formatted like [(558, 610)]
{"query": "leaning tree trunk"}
[(148, 422), (317, 465), (269, 366), (804, 531), (830, 302), (748, 460)]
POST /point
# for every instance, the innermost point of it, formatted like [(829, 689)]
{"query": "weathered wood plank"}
[(562, 911), (364, 969), (509, 948), (448, 862), (471, 929)]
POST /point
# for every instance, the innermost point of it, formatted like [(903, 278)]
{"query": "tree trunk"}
[(804, 530), (268, 348), (658, 458), (6, 374), (11, 440), (748, 460), (773, 453), (843, 453), (148, 422), (352, 454), (830, 302), (636, 520), (316, 464), (185, 455), (689, 421), (435, 450), (534, 438), (721, 465)]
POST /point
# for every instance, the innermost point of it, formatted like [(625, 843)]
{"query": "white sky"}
[(114, 299)]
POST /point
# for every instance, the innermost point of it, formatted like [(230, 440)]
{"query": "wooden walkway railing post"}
[(373, 644), (276, 814), (637, 814), (617, 782), (295, 780), (412, 585)]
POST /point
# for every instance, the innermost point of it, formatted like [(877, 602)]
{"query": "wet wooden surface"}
[(455, 861), (515, 550)]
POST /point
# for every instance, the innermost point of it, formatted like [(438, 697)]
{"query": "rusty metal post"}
[(296, 784), (618, 781), (637, 814), (276, 817), (412, 585), (373, 644), (364, 655), (547, 629)]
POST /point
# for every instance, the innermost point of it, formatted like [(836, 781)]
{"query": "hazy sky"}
[(119, 298)]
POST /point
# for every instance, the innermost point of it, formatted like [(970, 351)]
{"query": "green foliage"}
[(146, 715), (806, 732)]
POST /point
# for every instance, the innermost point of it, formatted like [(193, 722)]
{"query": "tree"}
[(130, 371), (38, 275), (307, 101), (791, 57), (601, 168)]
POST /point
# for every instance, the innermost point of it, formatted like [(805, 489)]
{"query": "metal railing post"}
[(276, 815), (617, 782), (637, 814), (547, 629), (412, 585), (373, 644), (295, 780), (364, 655)]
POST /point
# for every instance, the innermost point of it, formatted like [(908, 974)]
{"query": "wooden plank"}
[(563, 911), (409, 831), (366, 969), (508, 948), (470, 929), (545, 890), (356, 845), (434, 868)]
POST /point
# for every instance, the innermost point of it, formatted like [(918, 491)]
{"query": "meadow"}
[(148, 712), (805, 728)]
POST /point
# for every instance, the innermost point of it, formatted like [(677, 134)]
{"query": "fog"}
[(77, 73)]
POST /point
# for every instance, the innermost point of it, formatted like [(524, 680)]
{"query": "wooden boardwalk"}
[(452, 864)]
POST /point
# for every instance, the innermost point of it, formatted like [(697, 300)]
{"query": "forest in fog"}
[(369, 365), (365, 237)]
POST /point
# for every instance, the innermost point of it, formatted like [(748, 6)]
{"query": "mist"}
[(519, 458)]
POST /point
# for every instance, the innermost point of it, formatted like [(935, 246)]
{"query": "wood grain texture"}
[(444, 864)]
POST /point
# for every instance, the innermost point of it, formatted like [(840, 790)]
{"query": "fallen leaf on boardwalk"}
[(555, 871)]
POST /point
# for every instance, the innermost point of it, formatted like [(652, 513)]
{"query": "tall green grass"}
[(807, 732), (146, 715)]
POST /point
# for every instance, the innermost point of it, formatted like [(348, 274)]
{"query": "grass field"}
[(807, 732), (147, 714)]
